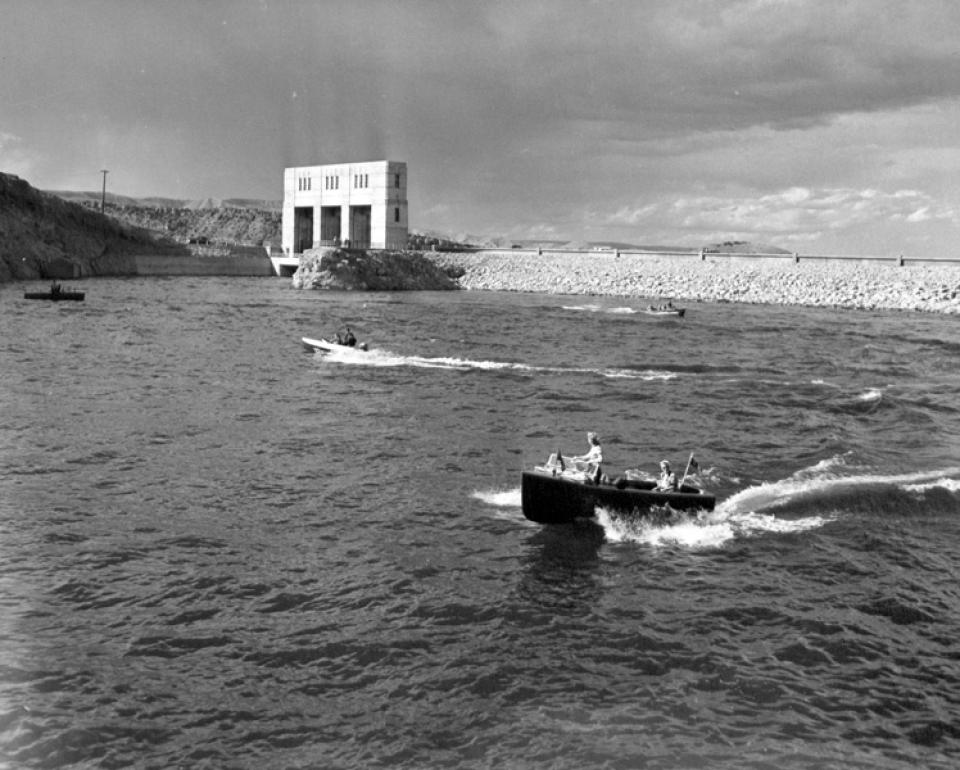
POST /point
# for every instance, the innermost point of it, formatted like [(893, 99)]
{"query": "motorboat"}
[(329, 346), (56, 294), (556, 494)]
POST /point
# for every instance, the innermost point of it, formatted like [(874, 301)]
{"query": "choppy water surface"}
[(220, 550)]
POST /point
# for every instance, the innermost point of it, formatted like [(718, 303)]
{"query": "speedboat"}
[(676, 312), (554, 494), (327, 346)]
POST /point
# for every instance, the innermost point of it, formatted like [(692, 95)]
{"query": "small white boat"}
[(328, 346)]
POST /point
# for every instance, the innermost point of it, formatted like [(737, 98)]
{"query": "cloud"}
[(793, 213), (15, 157)]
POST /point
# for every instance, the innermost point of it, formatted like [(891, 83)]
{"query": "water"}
[(220, 550)]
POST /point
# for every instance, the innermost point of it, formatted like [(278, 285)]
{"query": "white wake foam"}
[(382, 358), (509, 498)]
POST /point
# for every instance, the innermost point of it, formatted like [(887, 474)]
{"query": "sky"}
[(817, 126)]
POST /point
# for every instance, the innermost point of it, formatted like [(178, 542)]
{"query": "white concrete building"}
[(363, 205)]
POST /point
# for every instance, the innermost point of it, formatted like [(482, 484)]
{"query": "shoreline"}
[(848, 284)]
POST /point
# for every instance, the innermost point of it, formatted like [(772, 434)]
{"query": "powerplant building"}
[(356, 205)]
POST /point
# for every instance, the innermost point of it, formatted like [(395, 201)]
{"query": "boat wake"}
[(509, 498), (822, 487), (700, 531), (384, 359), (601, 309)]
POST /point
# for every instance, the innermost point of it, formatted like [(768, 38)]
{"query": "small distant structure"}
[(355, 205)]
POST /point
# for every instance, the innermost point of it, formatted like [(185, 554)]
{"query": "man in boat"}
[(349, 340), (668, 479)]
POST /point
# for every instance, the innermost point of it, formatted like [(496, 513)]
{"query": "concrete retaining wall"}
[(192, 265)]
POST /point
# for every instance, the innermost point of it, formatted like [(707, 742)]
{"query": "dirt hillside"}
[(43, 236)]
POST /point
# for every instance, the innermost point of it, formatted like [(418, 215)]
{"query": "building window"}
[(366, 181), (396, 215), (396, 181)]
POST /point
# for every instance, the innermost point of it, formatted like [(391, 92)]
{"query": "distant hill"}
[(743, 247)]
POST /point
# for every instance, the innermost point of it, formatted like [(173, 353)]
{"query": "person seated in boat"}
[(348, 339), (668, 479)]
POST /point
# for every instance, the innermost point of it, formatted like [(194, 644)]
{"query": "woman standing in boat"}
[(590, 462), (668, 479)]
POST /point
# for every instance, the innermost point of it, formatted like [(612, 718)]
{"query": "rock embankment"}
[(331, 268), (855, 284)]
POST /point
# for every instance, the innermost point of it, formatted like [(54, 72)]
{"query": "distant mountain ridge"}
[(88, 198), (256, 221)]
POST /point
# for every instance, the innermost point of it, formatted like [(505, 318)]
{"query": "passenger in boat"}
[(349, 340), (668, 479), (591, 461)]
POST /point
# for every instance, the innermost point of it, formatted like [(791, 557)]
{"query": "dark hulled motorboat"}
[(553, 496), (56, 294)]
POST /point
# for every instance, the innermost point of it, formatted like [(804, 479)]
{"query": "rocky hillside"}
[(43, 236), (246, 226)]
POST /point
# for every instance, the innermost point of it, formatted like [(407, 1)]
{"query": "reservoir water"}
[(220, 550)]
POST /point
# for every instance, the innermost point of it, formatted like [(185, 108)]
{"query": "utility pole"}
[(103, 195)]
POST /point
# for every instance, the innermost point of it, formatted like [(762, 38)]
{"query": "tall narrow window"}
[(396, 215), (396, 180)]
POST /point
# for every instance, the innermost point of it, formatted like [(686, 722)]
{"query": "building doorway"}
[(302, 229), (329, 225), (360, 218)]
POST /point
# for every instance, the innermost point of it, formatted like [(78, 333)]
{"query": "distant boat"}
[(56, 294), (677, 312), (328, 346)]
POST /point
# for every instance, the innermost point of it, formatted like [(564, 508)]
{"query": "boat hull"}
[(323, 345), (60, 296), (550, 499)]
